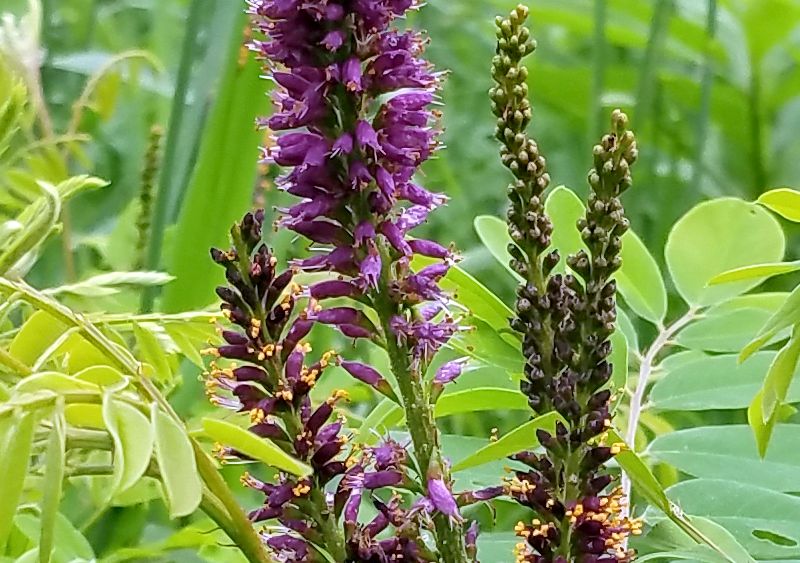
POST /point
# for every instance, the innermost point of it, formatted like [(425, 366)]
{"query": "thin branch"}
[(661, 342)]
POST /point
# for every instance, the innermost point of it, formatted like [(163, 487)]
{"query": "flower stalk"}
[(566, 321), (353, 112)]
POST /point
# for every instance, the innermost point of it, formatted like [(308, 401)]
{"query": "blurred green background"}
[(710, 86)]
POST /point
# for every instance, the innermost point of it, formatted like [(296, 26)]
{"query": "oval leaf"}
[(640, 281), (133, 443), (729, 452), (713, 382), (751, 514), (53, 381), (717, 236), (565, 208), (177, 465), (783, 201), (493, 233), (85, 416), (251, 445)]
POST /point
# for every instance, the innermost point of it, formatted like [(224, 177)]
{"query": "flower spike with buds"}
[(566, 321), (264, 369), (353, 124)]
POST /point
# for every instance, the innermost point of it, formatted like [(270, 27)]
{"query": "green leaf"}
[(762, 429), (786, 316), (713, 382), (221, 188), (36, 335), (565, 208), (766, 23), (729, 452), (251, 445), (779, 377), (103, 376), (488, 346), (111, 283), (176, 463), (53, 484), (379, 421), (519, 439), (640, 475), (625, 326), (783, 201), (185, 343), (717, 236), (764, 521), (497, 546), (676, 544), (480, 399), (53, 381), (85, 416), (16, 439), (723, 331), (493, 233), (762, 271), (640, 281), (70, 545), (132, 435), (151, 352)]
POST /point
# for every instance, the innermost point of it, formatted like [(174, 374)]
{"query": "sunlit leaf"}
[(761, 271), (53, 484), (152, 352), (176, 464), (35, 336), (786, 316), (519, 439), (133, 443), (715, 237), (16, 439), (251, 445), (783, 201), (480, 399), (493, 233)]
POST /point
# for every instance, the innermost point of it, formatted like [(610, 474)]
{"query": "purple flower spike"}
[(353, 122)]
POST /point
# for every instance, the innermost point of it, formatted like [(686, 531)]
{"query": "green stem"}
[(598, 70), (334, 541), (705, 94), (20, 369), (421, 426), (757, 134), (163, 197), (645, 89)]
